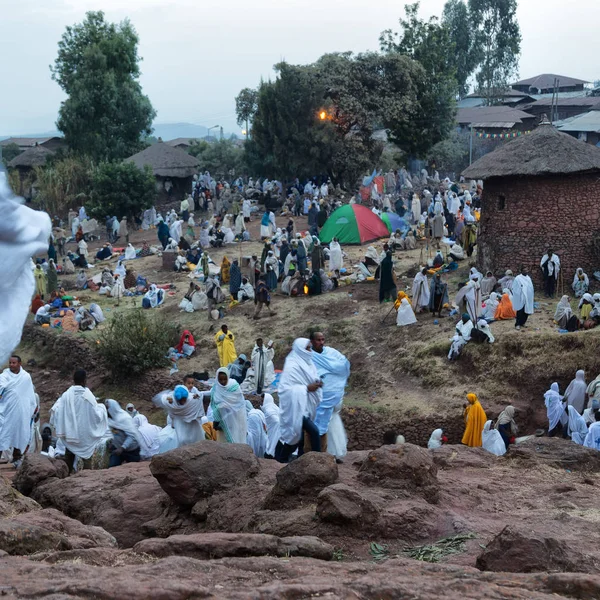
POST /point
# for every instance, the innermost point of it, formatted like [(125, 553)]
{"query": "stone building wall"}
[(521, 218)]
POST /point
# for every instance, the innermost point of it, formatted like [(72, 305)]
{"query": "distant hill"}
[(166, 131), (170, 131)]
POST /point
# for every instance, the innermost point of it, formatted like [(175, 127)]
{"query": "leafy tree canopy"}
[(121, 189), (9, 152), (106, 113), (246, 106)]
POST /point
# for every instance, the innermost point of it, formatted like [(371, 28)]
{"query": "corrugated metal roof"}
[(588, 122), (495, 125), (546, 80), (491, 114)]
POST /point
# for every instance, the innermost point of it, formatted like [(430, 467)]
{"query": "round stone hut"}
[(541, 191)]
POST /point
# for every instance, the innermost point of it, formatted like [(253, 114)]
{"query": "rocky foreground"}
[(212, 521)]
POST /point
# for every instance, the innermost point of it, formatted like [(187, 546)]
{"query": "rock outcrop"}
[(341, 504), (35, 470), (304, 477), (407, 468), (197, 471), (514, 552), (120, 500), (206, 546)]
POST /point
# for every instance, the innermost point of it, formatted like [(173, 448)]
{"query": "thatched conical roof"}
[(165, 161), (545, 151), (32, 157)]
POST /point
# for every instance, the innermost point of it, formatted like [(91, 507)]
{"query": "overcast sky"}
[(199, 54)]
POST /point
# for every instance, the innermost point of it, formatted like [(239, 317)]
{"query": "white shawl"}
[(295, 401), (336, 260), (592, 439), (257, 434), (492, 441), (23, 233), (555, 407), (271, 411), (406, 315), (522, 290), (435, 441), (17, 406), (149, 436), (229, 409), (420, 291), (79, 421), (577, 427), (575, 393), (130, 252)]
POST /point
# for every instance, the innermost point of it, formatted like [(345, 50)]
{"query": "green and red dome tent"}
[(353, 224)]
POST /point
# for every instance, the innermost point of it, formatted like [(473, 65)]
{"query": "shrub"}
[(133, 343)]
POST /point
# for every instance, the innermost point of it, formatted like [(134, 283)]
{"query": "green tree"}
[(432, 115), (9, 152), (246, 104), (462, 50), (121, 189), (106, 113), (498, 38)]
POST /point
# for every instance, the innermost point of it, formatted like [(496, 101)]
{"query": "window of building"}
[(501, 202)]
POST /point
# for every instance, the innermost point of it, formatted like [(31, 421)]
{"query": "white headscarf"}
[(272, 414), (554, 407), (577, 427), (295, 401), (154, 296), (492, 441), (229, 408), (435, 441)]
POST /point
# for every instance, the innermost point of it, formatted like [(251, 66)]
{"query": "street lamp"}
[(322, 115), (213, 127)]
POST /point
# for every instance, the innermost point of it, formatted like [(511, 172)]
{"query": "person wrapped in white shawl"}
[(555, 408), (299, 391), (256, 437), (578, 430), (149, 436), (186, 411), (17, 407), (229, 409), (272, 419), (80, 422), (23, 233), (492, 441), (333, 369)]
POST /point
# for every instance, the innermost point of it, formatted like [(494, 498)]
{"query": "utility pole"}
[(471, 146)]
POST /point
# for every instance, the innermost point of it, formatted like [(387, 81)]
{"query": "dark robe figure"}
[(438, 295), (387, 283)]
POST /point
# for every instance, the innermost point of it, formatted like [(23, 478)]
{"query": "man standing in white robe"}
[(522, 298), (420, 291), (262, 362), (80, 422), (336, 260), (17, 408), (550, 265), (333, 369)]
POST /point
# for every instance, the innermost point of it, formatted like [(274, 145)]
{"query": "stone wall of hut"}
[(523, 217)]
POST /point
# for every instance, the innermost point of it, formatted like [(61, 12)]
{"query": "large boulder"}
[(305, 476), (403, 467), (36, 469), (197, 471), (120, 500), (13, 502), (461, 457), (49, 529), (207, 546), (341, 504), (554, 452), (514, 552)]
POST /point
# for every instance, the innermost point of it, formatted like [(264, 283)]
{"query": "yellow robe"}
[(40, 281), (226, 348), (475, 420)]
